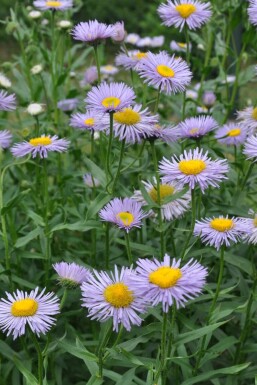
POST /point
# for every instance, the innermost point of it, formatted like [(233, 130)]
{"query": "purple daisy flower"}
[(71, 274), (113, 296), (33, 309), (251, 226), (171, 210), (68, 104), (7, 102), (166, 134), (169, 74), (179, 47), (132, 38), (5, 139), (88, 121), (93, 32), (232, 134), (168, 283), (209, 98), (90, 76), (130, 59), (249, 118), (110, 97), (119, 32), (196, 127), (194, 168), (220, 230), (91, 181), (144, 42), (250, 148), (252, 11), (193, 13), (60, 5), (41, 145), (109, 69), (157, 41), (125, 213)]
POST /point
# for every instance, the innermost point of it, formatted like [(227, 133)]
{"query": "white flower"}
[(4, 81), (35, 109), (34, 14), (64, 24), (36, 69)]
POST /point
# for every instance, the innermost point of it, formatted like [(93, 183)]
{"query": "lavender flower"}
[(88, 121), (250, 149), (41, 146), (71, 274), (130, 59), (68, 104), (196, 127), (232, 134), (5, 139), (60, 5), (93, 32), (7, 102)]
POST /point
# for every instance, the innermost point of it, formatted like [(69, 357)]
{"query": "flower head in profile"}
[(132, 38), (4, 81), (167, 282), (249, 118), (93, 32), (35, 109), (250, 148), (209, 98), (166, 134), (125, 213), (232, 134), (21, 309), (219, 231), (168, 74), (110, 97), (7, 102), (252, 11), (109, 70), (88, 121), (194, 168), (197, 127), (5, 139), (91, 181), (157, 41), (60, 5), (113, 296), (171, 210), (41, 145), (179, 13), (68, 104), (119, 32), (71, 274), (90, 76), (130, 59), (251, 226), (179, 47)]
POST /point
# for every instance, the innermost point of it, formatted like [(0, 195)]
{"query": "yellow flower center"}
[(165, 71), (255, 222), (254, 113), (182, 45), (118, 295), (165, 191), (127, 116), (24, 307), (194, 131), (111, 101), (165, 277), (89, 122), (185, 10), (42, 141), (125, 217), (53, 3), (234, 132), (222, 224), (141, 55), (192, 167)]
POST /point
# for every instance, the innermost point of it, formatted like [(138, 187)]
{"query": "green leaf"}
[(175, 196), (240, 262), (78, 352), (77, 226), (27, 238), (97, 204), (94, 380), (31, 380), (137, 246), (198, 333), (96, 171), (13, 201)]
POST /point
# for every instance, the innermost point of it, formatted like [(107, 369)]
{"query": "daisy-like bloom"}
[(132, 123), (249, 118), (251, 225), (32, 309), (251, 10), (68, 104), (110, 97), (90, 76), (170, 210), (209, 98), (157, 41), (5, 138), (41, 146), (191, 94), (196, 127), (35, 109), (164, 72), (132, 38), (119, 32), (88, 121), (144, 42), (203, 110), (34, 14), (64, 24), (60, 5), (109, 70), (193, 13), (7, 102), (130, 60), (220, 230), (179, 47), (194, 168), (36, 69), (166, 134), (93, 32), (71, 274), (168, 283), (91, 181), (232, 134), (250, 148), (125, 213), (113, 296), (4, 81)]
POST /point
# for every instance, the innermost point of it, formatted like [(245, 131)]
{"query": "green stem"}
[(40, 357), (45, 201), (136, 159), (101, 348), (193, 201), (96, 51), (64, 297), (107, 245), (162, 348), (119, 165), (248, 173), (128, 248), (157, 100), (187, 45), (108, 157)]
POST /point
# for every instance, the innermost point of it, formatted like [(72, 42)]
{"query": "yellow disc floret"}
[(165, 71), (165, 191), (118, 295), (255, 222), (89, 122), (192, 167), (24, 307), (125, 217), (53, 3), (222, 224), (185, 10), (182, 45), (234, 132), (128, 116), (254, 113), (194, 131), (165, 277), (140, 55), (111, 101), (42, 141)]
